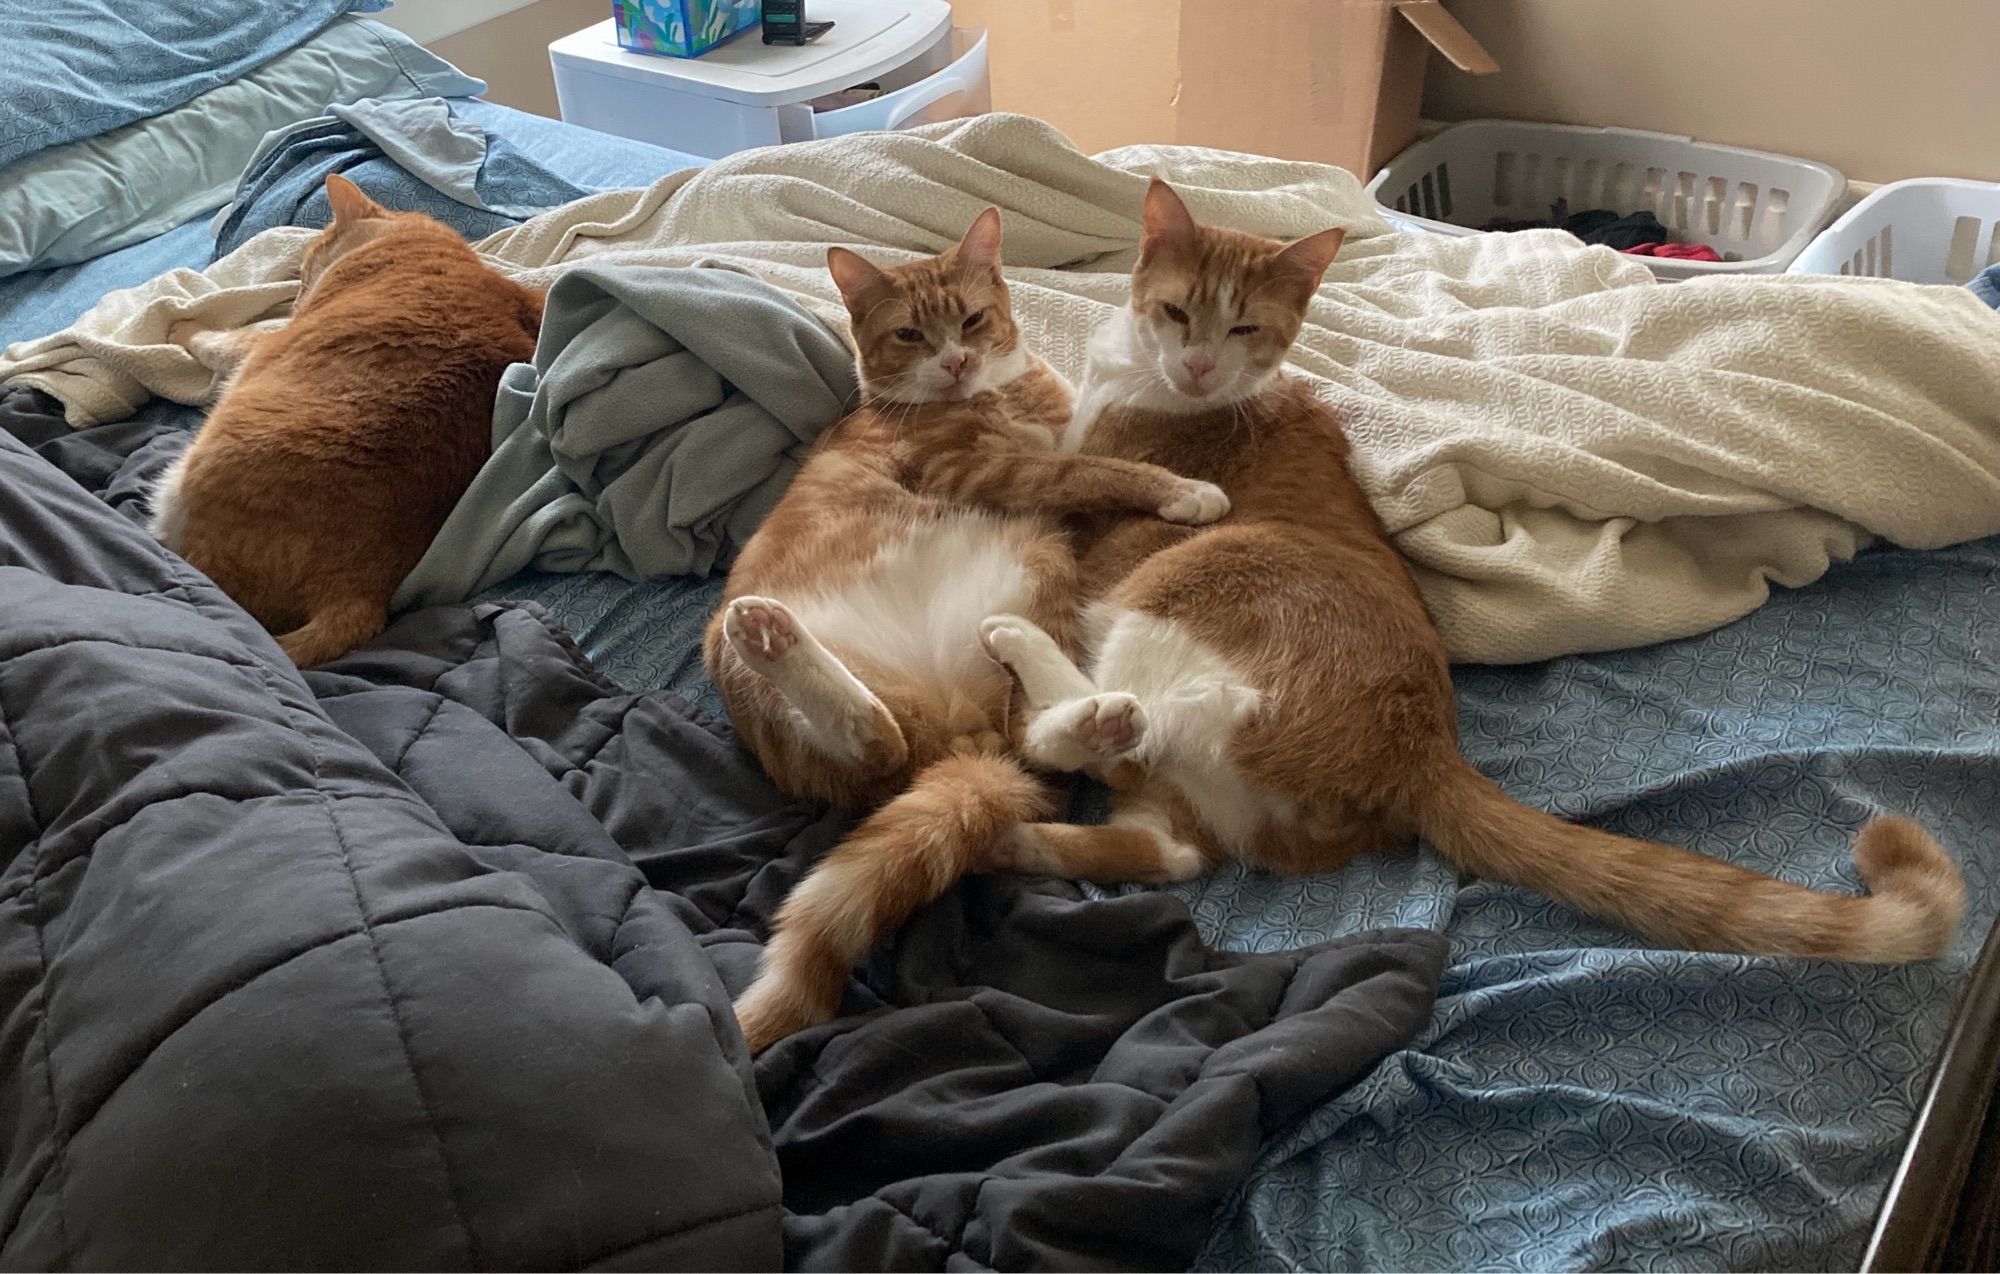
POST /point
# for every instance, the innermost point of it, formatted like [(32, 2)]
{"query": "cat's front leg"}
[(1194, 503), (1025, 649), (224, 352)]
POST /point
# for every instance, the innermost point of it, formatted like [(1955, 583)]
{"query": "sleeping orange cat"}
[(347, 435)]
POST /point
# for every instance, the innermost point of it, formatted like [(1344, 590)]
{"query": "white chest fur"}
[(1194, 700), (918, 604)]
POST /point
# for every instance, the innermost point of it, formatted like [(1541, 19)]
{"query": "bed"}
[(1571, 1100)]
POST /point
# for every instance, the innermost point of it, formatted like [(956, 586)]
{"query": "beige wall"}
[(1880, 89), (1106, 72), (511, 52), (428, 21)]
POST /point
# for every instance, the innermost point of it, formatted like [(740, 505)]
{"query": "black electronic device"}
[(785, 23)]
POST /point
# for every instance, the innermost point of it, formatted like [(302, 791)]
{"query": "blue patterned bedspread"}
[(642, 636), (1581, 1102)]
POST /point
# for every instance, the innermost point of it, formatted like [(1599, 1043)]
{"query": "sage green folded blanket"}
[(664, 413)]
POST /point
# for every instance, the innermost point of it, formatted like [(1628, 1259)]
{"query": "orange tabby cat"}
[(848, 648), (347, 435), (1273, 688)]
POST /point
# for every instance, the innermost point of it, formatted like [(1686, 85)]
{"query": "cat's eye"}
[(909, 336), (973, 320), (1176, 313), (1243, 329)]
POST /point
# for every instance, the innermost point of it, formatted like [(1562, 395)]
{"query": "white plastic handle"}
[(936, 89)]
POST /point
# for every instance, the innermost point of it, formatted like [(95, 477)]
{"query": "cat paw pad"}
[(1109, 724), (761, 630)]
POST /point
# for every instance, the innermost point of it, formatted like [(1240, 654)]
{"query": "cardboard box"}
[(1333, 81)]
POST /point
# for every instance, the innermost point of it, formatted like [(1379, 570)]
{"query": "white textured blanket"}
[(1572, 456)]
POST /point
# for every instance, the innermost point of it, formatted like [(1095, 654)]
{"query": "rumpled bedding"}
[(1633, 1109), (84, 67), (69, 203), (38, 302), (419, 155), (664, 414), (455, 914), (1573, 456), (1986, 285), (1630, 1108)]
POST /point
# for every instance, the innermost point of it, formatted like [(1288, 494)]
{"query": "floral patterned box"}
[(680, 28)]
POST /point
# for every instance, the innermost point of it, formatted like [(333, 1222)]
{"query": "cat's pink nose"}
[(954, 365), (1198, 366)]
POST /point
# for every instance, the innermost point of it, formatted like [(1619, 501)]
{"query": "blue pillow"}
[(77, 68)]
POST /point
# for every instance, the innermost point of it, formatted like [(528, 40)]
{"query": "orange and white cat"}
[(1272, 687), (346, 435), (848, 646)]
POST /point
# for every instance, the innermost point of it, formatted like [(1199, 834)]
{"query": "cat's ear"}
[(980, 247), (1310, 256), (1167, 221), (854, 275), (349, 204)]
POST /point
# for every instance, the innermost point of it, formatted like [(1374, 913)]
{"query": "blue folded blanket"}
[(1986, 285), (83, 67), (413, 156)]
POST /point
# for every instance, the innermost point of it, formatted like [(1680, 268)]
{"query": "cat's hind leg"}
[(1151, 838), (841, 717), (1069, 724)]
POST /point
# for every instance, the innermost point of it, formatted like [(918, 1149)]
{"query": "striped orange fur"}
[(848, 645), (1272, 687), (347, 435)]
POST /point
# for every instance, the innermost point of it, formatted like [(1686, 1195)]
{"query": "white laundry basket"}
[(1925, 230), (1757, 209)]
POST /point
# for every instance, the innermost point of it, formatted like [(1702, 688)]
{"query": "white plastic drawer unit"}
[(747, 93)]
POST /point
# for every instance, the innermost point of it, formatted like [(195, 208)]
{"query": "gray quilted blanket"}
[(423, 961)]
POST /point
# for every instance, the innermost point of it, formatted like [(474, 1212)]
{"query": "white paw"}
[(763, 631), (1007, 638), (1180, 861), (1195, 504)]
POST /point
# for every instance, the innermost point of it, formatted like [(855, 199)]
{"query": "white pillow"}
[(72, 202)]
